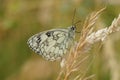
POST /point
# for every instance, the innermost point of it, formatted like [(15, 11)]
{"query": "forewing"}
[(51, 44)]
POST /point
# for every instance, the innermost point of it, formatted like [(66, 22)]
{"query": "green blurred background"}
[(20, 19)]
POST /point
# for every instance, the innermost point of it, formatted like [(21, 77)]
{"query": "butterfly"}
[(52, 44)]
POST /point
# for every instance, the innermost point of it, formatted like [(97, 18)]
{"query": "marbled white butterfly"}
[(52, 44)]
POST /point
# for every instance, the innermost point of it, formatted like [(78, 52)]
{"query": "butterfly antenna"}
[(77, 22), (73, 20), (73, 16)]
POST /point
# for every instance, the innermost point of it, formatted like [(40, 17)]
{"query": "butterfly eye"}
[(73, 28), (48, 34)]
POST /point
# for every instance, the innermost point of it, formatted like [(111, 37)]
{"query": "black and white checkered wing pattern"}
[(52, 44)]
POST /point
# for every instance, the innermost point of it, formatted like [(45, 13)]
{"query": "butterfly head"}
[(72, 28), (71, 31)]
